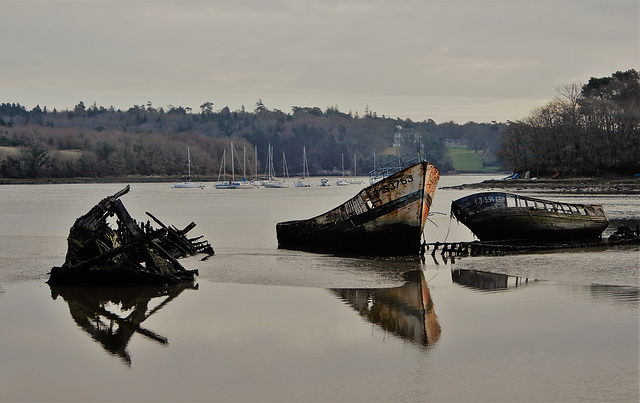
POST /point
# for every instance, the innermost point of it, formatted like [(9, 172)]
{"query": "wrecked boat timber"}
[(386, 218), (129, 254), (497, 216)]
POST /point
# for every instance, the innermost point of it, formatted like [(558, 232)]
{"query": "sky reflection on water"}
[(543, 341)]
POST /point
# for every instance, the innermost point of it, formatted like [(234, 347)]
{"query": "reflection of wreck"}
[(130, 254), (406, 311), (486, 281), (495, 216), (111, 316)]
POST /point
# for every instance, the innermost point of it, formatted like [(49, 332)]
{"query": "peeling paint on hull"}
[(386, 218)]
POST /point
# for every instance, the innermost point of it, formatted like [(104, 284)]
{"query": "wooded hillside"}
[(96, 141), (589, 130)]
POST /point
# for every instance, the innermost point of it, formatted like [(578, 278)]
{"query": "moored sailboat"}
[(224, 183), (187, 184), (355, 180), (304, 182), (342, 181), (271, 181)]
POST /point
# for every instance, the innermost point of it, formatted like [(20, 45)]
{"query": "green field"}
[(468, 161)]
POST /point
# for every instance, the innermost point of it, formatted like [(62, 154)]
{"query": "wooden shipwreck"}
[(497, 216), (129, 254), (386, 218)]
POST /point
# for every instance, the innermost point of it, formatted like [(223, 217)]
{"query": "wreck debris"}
[(130, 254), (622, 237)]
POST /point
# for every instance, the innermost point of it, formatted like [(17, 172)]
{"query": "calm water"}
[(264, 324)]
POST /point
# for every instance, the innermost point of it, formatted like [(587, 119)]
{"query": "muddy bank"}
[(573, 185)]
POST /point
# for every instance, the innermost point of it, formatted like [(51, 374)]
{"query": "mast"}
[(305, 165), (354, 165), (188, 165), (285, 172), (233, 174)]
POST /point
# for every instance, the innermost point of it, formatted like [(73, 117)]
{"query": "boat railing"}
[(395, 165), (552, 206)]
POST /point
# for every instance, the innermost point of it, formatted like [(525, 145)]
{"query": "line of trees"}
[(588, 130), (96, 141)]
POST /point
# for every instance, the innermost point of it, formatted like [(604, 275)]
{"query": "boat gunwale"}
[(464, 205), (365, 190)]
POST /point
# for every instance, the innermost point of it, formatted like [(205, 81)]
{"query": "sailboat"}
[(355, 181), (342, 181), (272, 181), (243, 183), (303, 183), (222, 173), (232, 184), (187, 184)]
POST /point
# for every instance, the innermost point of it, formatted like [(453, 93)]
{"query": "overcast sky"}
[(473, 60)]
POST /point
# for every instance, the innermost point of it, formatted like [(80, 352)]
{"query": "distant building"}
[(403, 137), (455, 143)]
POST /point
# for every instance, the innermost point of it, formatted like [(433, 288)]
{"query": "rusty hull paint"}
[(386, 218)]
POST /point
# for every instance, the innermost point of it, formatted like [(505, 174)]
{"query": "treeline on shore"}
[(98, 142), (588, 130)]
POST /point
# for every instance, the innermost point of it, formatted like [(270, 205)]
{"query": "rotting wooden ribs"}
[(129, 254)]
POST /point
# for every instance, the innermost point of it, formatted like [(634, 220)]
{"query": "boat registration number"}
[(490, 199), (392, 185)]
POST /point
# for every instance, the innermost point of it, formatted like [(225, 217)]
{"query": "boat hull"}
[(188, 185), (490, 217), (386, 218)]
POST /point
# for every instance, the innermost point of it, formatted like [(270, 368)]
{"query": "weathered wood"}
[(129, 254), (119, 250), (386, 218), (480, 248)]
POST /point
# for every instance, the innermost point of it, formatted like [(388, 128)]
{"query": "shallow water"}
[(270, 324)]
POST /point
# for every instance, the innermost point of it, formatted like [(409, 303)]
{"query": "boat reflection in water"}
[(405, 311), (487, 281), (111, 316)]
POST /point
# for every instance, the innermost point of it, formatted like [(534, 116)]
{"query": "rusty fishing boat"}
[(497, 216), (385, 218)]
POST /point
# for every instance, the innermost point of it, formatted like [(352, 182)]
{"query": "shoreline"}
[(574, 185), (568, 185)]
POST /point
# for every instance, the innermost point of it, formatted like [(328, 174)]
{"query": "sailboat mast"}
[(233, 174), (244, 163), (354, 165), (188, 164), (305, 166)]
